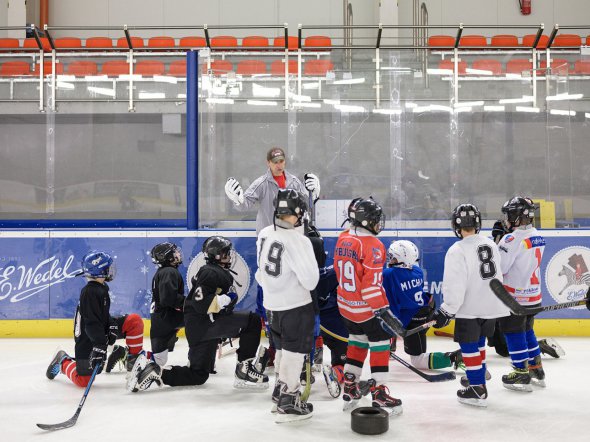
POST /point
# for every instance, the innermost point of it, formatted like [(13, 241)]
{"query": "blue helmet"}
[(96, 264)]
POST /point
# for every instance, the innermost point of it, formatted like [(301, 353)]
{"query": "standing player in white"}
[(287, 272), (521, 250), (470, 264)]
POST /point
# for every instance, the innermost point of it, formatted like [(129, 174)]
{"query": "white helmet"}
[(404, 251)]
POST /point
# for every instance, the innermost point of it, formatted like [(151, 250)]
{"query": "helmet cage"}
[(465, 216)]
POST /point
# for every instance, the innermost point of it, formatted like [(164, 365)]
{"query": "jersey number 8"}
[(487, 266)]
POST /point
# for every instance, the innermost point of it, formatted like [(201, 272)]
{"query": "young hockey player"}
[(94, 327), (470, 264), (208, 318), (287, 271), (521, 251), (359, 258), (403, 281)]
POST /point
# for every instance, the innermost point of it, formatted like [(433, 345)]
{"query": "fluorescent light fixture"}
[(468, 104), (392, 68), (296, 97), (260, 75), (65, 78), (332, 102), (143, 95), (569, 113), (494, 108), (180, 95), (261, 103), (463, 109), (65, 85), (439, 71), (524, 99), (165, 79), (535, 110), (304, 104), (349, 108), (514, 76), (565, 96), (308, 86), (263, 91), (130, 77), (432, 108), (350, 81), (478, 71), (410, 105), (219, 100), (102, 91), (388, 111), (587, 114), (96, 78)]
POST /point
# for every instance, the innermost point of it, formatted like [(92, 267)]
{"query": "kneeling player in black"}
[(209, 317)]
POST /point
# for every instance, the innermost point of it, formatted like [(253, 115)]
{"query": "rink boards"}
[(39, 292)]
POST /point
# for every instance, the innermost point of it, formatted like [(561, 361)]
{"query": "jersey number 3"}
[(487, 266)]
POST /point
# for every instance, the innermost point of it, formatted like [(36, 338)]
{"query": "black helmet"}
[(217, 248), (290, 202), (166, 253), (518, 211), (366, 213), (465, 216)]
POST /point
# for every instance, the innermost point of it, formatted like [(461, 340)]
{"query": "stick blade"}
[(508, 300), (53, 427), (442, 377)]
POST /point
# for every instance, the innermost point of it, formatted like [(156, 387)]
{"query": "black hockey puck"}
[(369, 420)]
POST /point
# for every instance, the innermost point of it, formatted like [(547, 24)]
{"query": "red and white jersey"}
[(521, 252), (470, 265), (358, 261)]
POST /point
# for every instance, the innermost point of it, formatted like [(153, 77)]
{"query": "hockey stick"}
[(307, 389), (72, 421), (441, 377), (510, 302), (443, 333), (393, 325)]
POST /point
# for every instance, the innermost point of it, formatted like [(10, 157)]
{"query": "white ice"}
[(217, 412)]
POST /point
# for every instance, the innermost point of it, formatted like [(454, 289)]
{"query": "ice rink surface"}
[(217, 412)]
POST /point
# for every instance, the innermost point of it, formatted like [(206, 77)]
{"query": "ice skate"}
[(382, 399), (292, 408), (117, 357), (331, 378), (144, 378), (456, 358), (475, 395), (465, 381), (262, 359), (140, 363), (392, 346), (537, 373), (55, 365), (276, 393), (247, 377), (353, 391), (550, 347), (519, 380)]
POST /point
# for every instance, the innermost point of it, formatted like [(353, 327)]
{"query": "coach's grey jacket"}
[(263, 191)]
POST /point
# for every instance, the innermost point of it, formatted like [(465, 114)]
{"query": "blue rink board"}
[(37, 282)]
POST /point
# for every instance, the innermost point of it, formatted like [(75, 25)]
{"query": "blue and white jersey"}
[(404, 289)]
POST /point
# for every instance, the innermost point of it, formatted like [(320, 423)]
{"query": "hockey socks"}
[(474, 355), (532, 345), (518, 349), (133, 331), (68, 367)]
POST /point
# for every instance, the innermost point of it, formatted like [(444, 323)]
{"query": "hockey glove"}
[(98, 357), (112, 337), (442, 318), (312, 184), (227, 303), (498, 231), (234, 191), (389, 322)]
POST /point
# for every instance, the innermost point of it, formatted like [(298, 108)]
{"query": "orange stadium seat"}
[(177, 68), (529, 39), (32, 43), (558, 65), (149, 67), (518, 66), (192, 42), (279, 42), (98, 42), (472, 40), (317, 67), (449, 64), (582, 67), (504, 40), (317, 41), (15, 69), (9, 43), (82, 68), (441, 41), (47, 68), (114, 68), (219, 67), (562, 40), (67, 42), (588, 40), (136, 42), (254, 41), (251, 67), (494, 66), (277, 67), (161, 42), (224, 41)]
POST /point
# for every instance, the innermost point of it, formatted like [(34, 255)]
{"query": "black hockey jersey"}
[(168, 295), (92, 320)]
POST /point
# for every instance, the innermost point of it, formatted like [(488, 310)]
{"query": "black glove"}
[(389, 322), (442, 318), (229, 308), (98, 356), (498, 231), (112, 337)]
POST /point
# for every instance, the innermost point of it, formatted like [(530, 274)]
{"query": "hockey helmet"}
[(366, 213), (465, 216), (97, 264), (518, 211), (404, 252), (218, 250), (166, 253), (290, 202)]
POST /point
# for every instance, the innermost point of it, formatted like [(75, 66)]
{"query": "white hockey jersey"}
[(287, 268), (521, 252), (470, 265)]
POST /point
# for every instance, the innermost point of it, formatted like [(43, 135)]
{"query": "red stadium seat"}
[(518, 66), (47, 68), (494, 66), (149, 67), (177, 68), (292, 42), (472, 40), (219, 67), (566, 40), (136, 42), (99, 42), (441, 41), (255, 41), (277, 67), (15, 69), (504, 40), (558, 65), (317, 67), (224, 41), (529, 39), (317, 41), (67, 42), (582, 67), (449, 64), (251, 67), (114, 68), (9, 43), (82, 68), (32, 43), (192, 42), (161, 42)]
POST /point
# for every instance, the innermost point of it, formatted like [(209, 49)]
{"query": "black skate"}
[(456, 358), (292, 408), (353, 391), (550, 347), (331, 379), (145, 378), (55, 365), (262, 359), (392, 346), (465, 381), (382, 399), (318, 359), (140, 363), (303, 377), (276, 394), (537, 373), (117, 357), (247, 377), (475, 395), (131, 359), (519, 380)]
